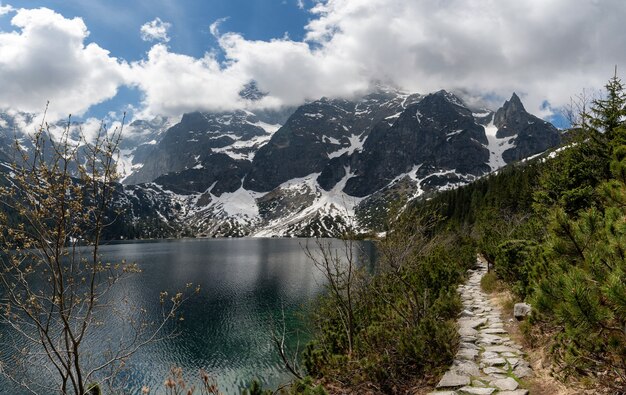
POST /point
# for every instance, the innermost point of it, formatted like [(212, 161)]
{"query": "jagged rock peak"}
[(443, 102), (252, 92), (512, 112), (449, 97), (514, 102), (530, 135)]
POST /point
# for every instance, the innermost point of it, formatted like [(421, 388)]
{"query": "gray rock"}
[(490, 355), (467, 367), (522, 371), (494, 370), (494, 362), (466, 331), (477, 390), (507, 384), (500, 349), (470, 345), (521, 310), (443, 393), (513, 361), (471, 323), (467, 354), (493, 331), (453, 379), (516, 392)]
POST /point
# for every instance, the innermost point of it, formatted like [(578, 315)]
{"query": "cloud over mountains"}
[(546, 50)]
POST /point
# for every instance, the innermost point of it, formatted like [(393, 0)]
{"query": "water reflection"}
[(244, 283)]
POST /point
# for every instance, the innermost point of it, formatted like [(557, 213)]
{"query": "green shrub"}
[(514, 264), (256, 388), (489, 283), (306, 386), (404, 319)]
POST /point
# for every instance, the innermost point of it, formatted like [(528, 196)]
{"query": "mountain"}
[(139, 138), (529, 134), (316, 169), (318, 132), (436, 135), (199, 136)]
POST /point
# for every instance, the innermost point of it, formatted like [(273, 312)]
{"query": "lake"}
[(245, 284)]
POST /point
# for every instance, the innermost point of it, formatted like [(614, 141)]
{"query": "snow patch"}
[(452, 134), (331, 140), (326, 203), (356, 144), (497, 146), (481, 114), (241, 203), (268, 127)]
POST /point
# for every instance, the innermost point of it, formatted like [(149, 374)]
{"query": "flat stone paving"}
[(488, 361)]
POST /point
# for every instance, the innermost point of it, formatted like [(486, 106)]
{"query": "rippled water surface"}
[(226, 328)]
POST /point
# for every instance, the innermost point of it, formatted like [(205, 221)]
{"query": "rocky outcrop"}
[(217, 173), (521, 310), (437, 134), (195, 138), (318, 132), (531, 135)]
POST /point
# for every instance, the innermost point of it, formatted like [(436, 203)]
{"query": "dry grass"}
[(490, 283)]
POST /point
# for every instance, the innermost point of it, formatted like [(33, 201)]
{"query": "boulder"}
[(521, 310)]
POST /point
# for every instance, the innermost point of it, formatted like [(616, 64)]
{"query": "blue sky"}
[(161, 57), (115, 25)]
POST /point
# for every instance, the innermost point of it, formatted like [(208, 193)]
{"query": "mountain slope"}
[(318, 132), (437, 134), (316, 169)]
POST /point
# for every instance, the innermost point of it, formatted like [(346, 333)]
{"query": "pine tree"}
[(582, 291), (608, 114)]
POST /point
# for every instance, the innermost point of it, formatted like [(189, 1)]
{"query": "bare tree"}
[(55, 289), (399, 252), (288, 356), (342, 275)]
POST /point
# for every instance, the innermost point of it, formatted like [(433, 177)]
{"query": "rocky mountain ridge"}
[(317, 169)]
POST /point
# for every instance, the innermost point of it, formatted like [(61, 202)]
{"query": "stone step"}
[(487, 357)]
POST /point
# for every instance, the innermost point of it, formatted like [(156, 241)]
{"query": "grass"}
[(490, 283)]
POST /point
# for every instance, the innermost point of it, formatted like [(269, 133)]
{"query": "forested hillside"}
[(554, 230)]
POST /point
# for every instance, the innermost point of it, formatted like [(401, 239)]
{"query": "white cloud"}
[(300, 4), (174, 83), (155, 30), (5, 9), (543, 49), (46, 60)]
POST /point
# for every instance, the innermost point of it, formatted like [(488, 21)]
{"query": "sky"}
[(99, 58)]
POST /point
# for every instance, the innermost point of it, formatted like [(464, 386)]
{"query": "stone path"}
[(488, 361)]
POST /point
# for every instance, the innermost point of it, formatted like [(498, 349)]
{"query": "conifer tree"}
[(607, 114), (582, 291)]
